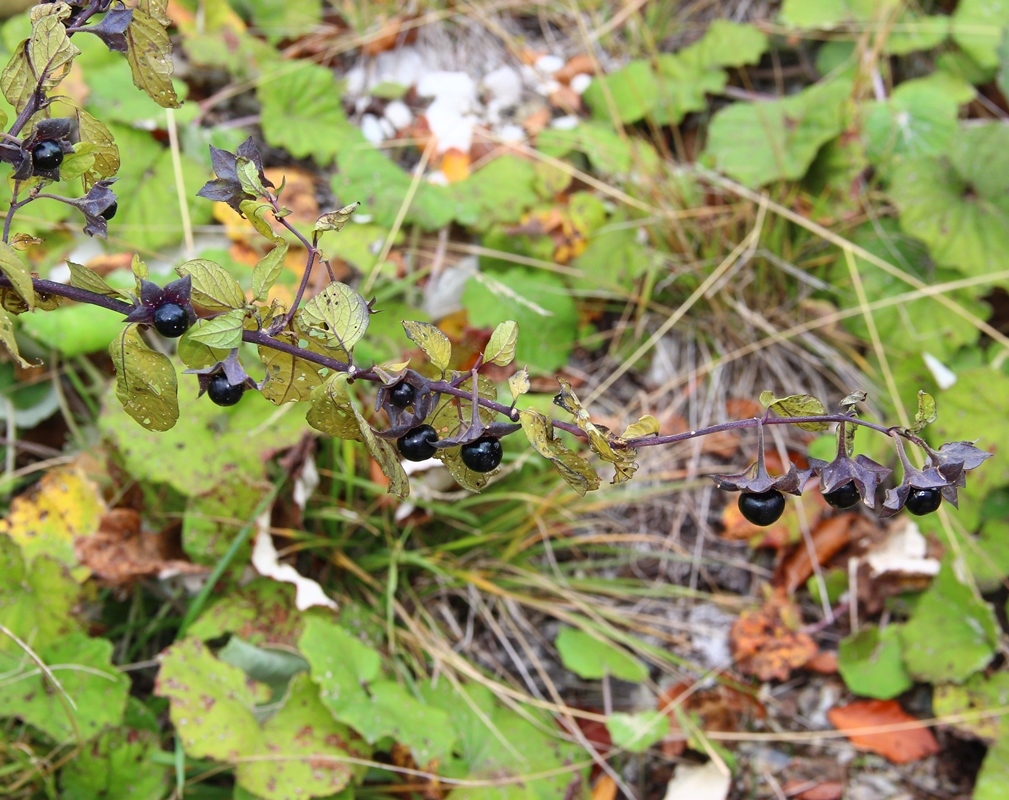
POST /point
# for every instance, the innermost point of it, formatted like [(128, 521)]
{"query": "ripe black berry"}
[(763, 508), (47, 155), (845, 496), (224, 393), (171, 320), (402, 395), (923, 501), (483, 455), (416, 444), (110, 212)]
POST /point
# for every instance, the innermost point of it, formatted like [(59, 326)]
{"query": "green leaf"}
[(348, 674), (537, 301), (918, 119), (317, 748), (987, 554), (36, 603), (150, 52), (978, 26), (606, 150), (255, 211), (958, 204), (149, 217), (14, 269), (261, 612), (632, 90), (83, 278), (332, 411), (796, 405), (8, 339), (227, 726), (304, 748), (507, 749), (727, 44), (637, 732), (589, 657), (146, 383), (50, 53), (214, 288), (979, 693), (106, 153), (500, 348), (84, 669), (993, 779), (337, 315), (223, 332), (907, 326), (266, 272), (432, 341), (206, 446), (760, 142), (302, 111), (194, 353), (951, 634), (871, 663), (212, 519), (289, 378), (119, 763), (964, 418), (578, 473), (927, 413), (280, 21)]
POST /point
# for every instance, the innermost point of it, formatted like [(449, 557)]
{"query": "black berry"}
[(417, 444), (923, 501), (402, 395), (224, 393), (47, 155), (845, 496), (110, 211), (483, 455), (762, 508), (171, 320)]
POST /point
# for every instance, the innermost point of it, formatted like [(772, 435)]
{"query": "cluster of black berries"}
[(418, 444), (847, 480)]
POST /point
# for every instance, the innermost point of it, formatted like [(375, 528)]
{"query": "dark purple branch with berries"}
[(307, 350)]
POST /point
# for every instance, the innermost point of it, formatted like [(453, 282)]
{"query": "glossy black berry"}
[(763, 508), (845, 496), (110, 212), (923, 501), (402, 395), (417, 444), (224, 393), (171, 320), (47, 155), (483, 455)]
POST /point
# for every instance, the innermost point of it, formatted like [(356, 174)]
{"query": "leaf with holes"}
[(213, 286), (572, 467), (288, 378), (14, 269), (149, 52), (429, 338), (146, 383), (332, 411), (338, 316)]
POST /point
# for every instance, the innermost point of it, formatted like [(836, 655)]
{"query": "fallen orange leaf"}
[(455, 165), (829, 538), (766, 642), (900, 746), (605, 789)]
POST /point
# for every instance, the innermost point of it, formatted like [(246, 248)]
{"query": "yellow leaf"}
[(63, 506)]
